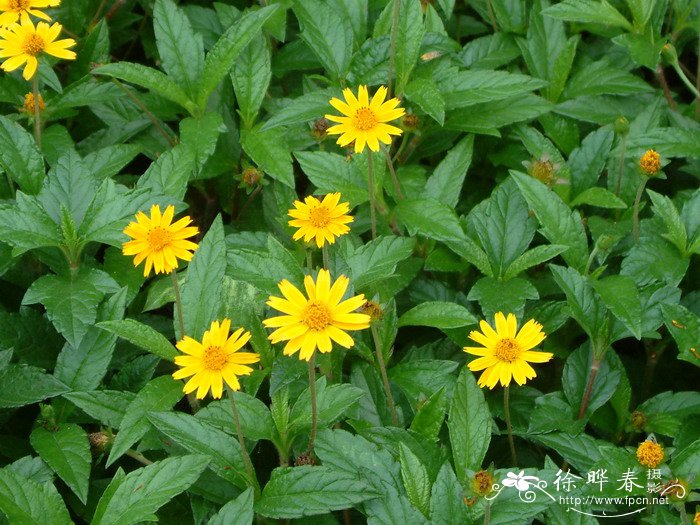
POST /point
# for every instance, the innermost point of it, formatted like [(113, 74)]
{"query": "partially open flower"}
[(28, 106), (482, 483), (543, 169), (650, 163)]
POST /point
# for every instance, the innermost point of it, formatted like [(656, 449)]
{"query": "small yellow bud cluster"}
[(650, 454), (650, 163)]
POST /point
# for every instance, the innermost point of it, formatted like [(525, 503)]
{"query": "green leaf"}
[(331, 172), (601, 78), (109, 161), (82, 367), (305, 108), (160, 393), (142, 336), (665, 209), (599, 197), (200, 136), (28, 226), (438, 315), (23, 385), (19, 156), (427, 97), (469, 423), (588, 12), (148, 78), (447, 501), (502, 296), (251, 76), (106, 406), (429, 417), (238, 511), (581, 451), (430, 218), (421, 378), (553, 413), (136, 497), (222, 56), (332, 401), (70, 300), (620, 295), (200, 291), (445, 184), (201, 437), (376, 260), (327, 33), (487, 117), (255, 417), (533, 257), (415, 480), (169, 174), (269, 150), (181, 49), (686, 463), (586, 305), (307, 491), (26, 502), (468, 88), (408, 41), (67, 451), (684, 327), (559, 224)]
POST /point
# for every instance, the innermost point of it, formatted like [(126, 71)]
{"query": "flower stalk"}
[(312, 393), (37, 112), (241, 439), (637, 199), (385, 377), (509, 427), (372, 197)]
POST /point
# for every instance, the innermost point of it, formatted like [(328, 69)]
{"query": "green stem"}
[(385, 377), (372, 197), (591, 257), (685, 80), (309, 261), (37, 112), (623, 152), (241, 439), (506, 409), (138, 457), (312, 392), (487, 513), (392, 48), (178, 304), (397, 185), (637, 199), (326, 258), (595, 366), (492, 16)]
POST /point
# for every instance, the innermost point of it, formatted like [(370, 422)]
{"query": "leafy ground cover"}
[(349, 261)]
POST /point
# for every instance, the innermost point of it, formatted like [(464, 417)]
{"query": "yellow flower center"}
[(158, 238), (33, 44), (650, 162), (19, 5), (316, 316), (214, 359), (650, 454), (319, 217), (507, 350), (365, 119)]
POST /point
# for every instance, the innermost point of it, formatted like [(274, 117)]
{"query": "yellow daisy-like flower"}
[(363, 121), (215, 360), (13, 9), (317, 320), (650, 454), (506, 353), (325, 220), (160, 241), (21, 43)]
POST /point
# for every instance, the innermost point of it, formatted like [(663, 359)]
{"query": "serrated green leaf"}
[(468, 88), (469, 422), (169, 174), (445, 184), (67, 451), (684, 327), (222, 56), (620, 295), (26, 502), (447, 502), (588, 12), (409, 36), (251, 76), (269, 150), (421, 378), (331, 172), (415, 480), (376, 260), (137, 496), (588, 160), (666, 210), (19, 156), (438, 315), (141, 335), (585, 303), (332, 401), (575, 377), (307, 491), (106, 406), (200, 136), (429, 417), (305, 108), (427, 97), (533, 257), (160, 393), (236, 512), (599, 197), (23, 385), (256, 421)]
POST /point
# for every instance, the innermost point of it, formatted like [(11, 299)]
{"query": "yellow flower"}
[(482, 483), (506, 352), (215, 360), (316, 321), (364, 121), (650, 454), (650, 162), (13, 9), (696, 520), (28, 105), (21, 43), (324, 220), (159, 241)]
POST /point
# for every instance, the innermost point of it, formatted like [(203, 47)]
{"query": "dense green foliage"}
[(518, 170)]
